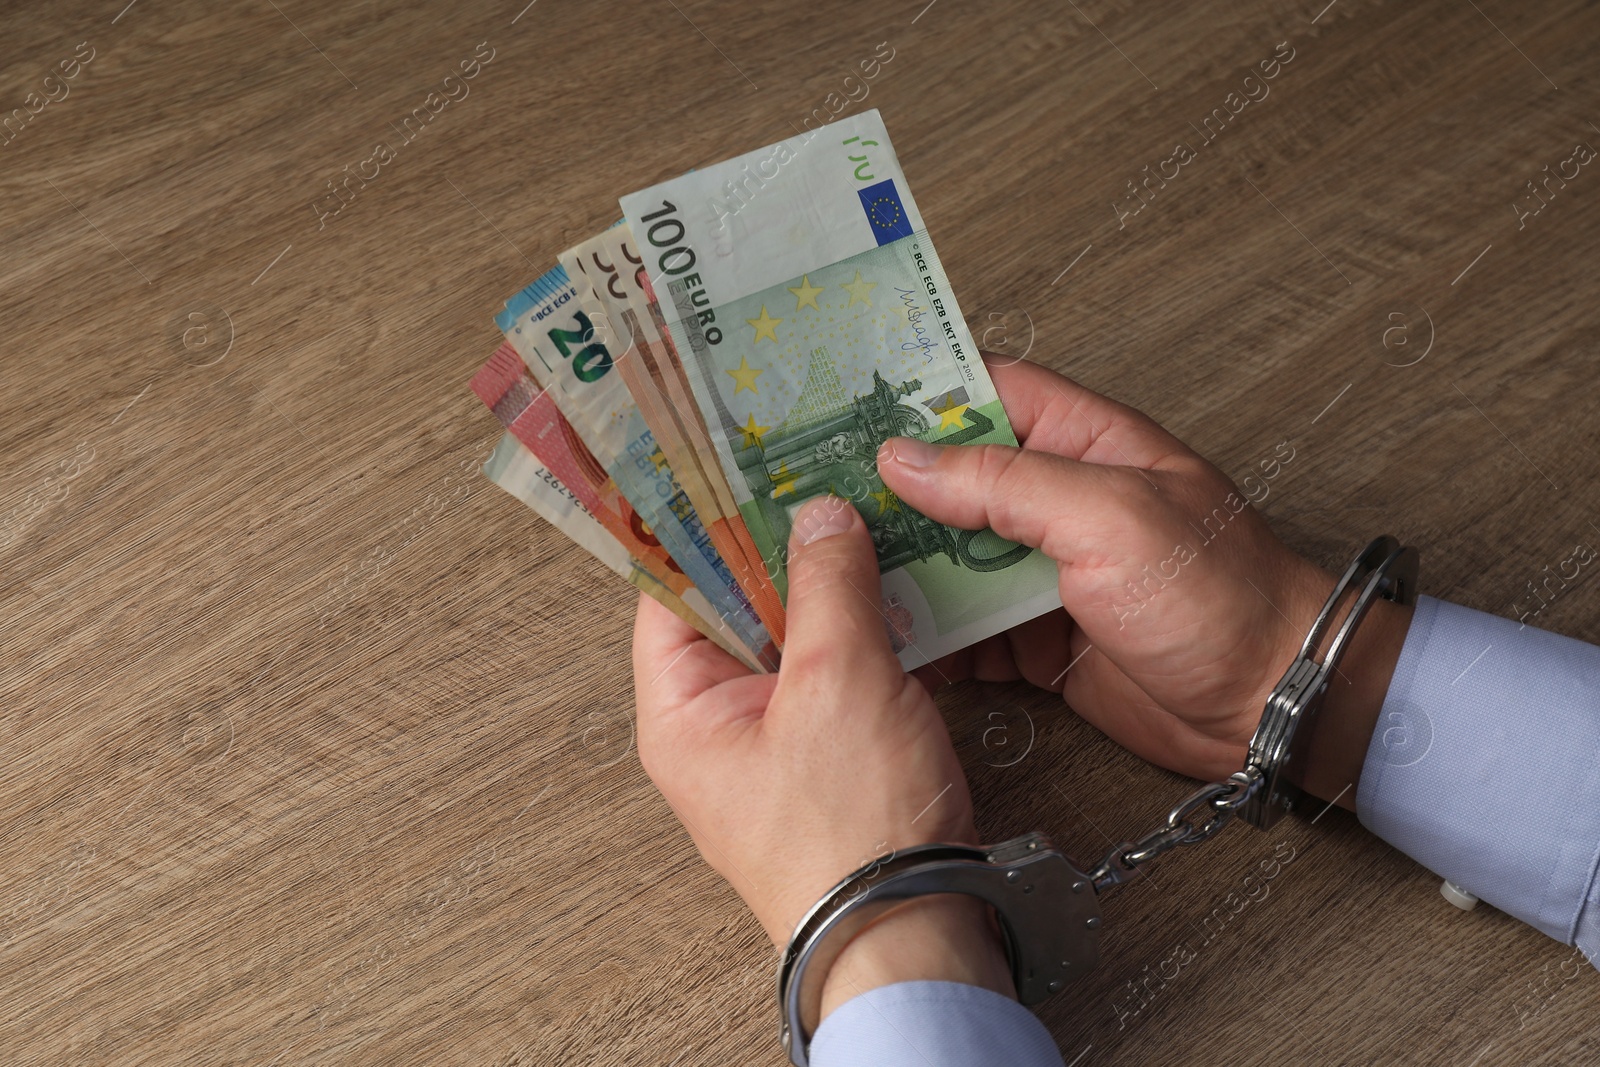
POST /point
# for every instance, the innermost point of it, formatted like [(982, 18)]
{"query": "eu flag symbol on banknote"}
[(885, 211)]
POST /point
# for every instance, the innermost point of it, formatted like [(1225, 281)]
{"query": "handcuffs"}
[(1048, 908)]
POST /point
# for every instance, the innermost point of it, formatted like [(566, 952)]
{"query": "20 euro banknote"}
[(548, 329)]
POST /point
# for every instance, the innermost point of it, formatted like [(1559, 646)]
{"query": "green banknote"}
[(802, 292)]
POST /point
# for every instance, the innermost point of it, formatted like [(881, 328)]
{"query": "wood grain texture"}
[(318, 748)]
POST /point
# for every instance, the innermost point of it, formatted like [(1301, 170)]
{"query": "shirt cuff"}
[(1485, 766), (932, 1024)]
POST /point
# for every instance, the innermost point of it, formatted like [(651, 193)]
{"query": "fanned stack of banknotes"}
[(742, 341)]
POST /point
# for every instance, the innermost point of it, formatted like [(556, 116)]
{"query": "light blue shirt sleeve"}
[(1485, 766), (932, 1024)]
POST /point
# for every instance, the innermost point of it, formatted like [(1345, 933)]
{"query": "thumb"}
[(835, 625), (1022, 494)]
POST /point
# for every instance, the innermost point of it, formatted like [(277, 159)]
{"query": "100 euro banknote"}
[(801, 290)]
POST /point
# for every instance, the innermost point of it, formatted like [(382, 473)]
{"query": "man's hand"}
[(789, 782), (1182, 608)]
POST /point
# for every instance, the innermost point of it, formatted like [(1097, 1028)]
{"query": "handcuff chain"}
[(1122, 863), (1261, 793)]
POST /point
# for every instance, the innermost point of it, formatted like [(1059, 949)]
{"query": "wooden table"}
[(318, 748)]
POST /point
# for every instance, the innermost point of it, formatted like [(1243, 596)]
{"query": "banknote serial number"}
[(549, 478)]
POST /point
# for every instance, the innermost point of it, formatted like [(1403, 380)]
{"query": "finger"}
[(1022, 494), (1053, 413), (1037, 650), (835, 624), (992, 660), (954, 667), (1041, 648), (934, 676), (963, 664), (672, 661)]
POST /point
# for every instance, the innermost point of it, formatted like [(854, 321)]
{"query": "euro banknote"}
[(515, 469), (803, 296), (532, 418), (610, 283), (555, 339)]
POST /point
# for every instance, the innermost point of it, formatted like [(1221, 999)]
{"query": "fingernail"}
[(821, 517), (910, 451)]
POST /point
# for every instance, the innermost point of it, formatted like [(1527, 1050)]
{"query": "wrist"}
[(947, 937), (1342, 732)]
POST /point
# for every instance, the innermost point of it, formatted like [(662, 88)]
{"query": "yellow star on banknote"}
[(950, 417), (805, 294), (766, 325), (744, 375), (659, 458), (885, 499), (783, 482), (860, 291), (752, 433)]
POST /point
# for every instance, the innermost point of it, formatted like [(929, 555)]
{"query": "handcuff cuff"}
[(1048, 908)]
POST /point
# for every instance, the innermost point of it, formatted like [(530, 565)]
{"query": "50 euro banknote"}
[(803, 296)]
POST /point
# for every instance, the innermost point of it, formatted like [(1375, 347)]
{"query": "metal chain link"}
[(1122, 863), (1261, 793)]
